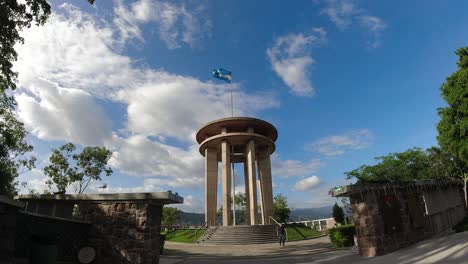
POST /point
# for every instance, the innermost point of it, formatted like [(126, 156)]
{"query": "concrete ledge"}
[(9, 201), (55, 218), (158, 197)]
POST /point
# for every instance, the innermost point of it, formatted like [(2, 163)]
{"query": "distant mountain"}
[(311, 213), (304, 213), (192, 218)]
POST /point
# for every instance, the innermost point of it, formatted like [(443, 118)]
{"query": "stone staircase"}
[(239, 235)]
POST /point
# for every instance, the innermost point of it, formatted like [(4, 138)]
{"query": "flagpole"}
[(232, 104)]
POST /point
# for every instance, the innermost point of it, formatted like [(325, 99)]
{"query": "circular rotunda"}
[(244, 140)]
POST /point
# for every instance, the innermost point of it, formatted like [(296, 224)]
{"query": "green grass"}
[(184, 235), (299, 233)]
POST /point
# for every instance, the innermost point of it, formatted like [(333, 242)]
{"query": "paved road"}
[(451, 249)]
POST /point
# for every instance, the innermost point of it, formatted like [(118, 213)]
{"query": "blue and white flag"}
[(222, 74)]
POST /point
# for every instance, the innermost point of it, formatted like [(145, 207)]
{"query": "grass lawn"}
[(184, 235), (298, 233)]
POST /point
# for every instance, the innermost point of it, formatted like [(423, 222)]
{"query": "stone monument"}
[(244, 140)]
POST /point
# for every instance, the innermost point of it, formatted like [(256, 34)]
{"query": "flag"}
[(222, 74)]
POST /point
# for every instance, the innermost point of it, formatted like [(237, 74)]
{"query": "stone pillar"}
[(250, 155), (247, 203), (264, 169), (211, 186), (226, 174)]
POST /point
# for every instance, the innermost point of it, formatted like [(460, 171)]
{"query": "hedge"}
[(342, 236)]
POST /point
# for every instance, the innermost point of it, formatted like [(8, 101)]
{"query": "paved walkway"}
[(449, 249)]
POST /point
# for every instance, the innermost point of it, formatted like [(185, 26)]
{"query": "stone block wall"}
[(377, 236), (124, 232), (8, 214)]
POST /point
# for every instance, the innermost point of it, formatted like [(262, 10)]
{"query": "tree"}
[(409, 165), (170, 215), (17, 15), (240, 199), (338, 214), (281, 210), (68, 168), (13, 148), (453, 125)]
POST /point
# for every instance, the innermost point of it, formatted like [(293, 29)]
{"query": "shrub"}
[(342, 236), (162, 240)]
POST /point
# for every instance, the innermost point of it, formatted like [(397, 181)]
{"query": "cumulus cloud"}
[(175, 23), (72, 60), (339, 144), (343, 13), (307, 184), (51, 112), (290, 58), (293, 168)]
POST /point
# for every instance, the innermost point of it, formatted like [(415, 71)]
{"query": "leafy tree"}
[(170, 215), (240, 199), (338, 214), (68, 168), (404, 166), (281, 210), (16, 15), (453, 126), (13, 148)]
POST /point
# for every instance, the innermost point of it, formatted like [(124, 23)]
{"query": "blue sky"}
[(343, 81)]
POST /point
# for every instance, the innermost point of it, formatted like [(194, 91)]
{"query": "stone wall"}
[(126, 232), (8, 213), (66, 235), (389, 219)]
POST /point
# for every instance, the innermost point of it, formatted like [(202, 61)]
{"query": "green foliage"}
[(69, 168), (342, 236), (13, 148), (170, 215), (299, 233), (162, 240), (412, 164), (338, 214), (16, 16), (453, 125), (281, 210), (185, 235), (240, 199), (408, 165)]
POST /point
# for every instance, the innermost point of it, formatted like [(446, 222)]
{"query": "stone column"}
[(250, 155), (247, 203), (211, 186), (226, 174), (264, 169)]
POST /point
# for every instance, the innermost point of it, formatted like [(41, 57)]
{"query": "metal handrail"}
[(196, 232), (274, 220)]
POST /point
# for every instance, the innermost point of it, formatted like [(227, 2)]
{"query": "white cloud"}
[(175, 106), (80, 59), (293, 168), (375, 26), (307, 184), (175, 23), (339, 144), (74, 51), (343, 13), (290, 58), (340, 12), (51, 112), (192, 204)]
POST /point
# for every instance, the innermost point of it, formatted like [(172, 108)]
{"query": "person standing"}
[(282, 234)]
